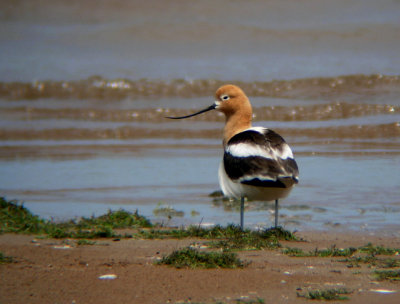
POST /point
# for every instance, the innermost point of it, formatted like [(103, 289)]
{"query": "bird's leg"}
[(241, 212), (276, 213)]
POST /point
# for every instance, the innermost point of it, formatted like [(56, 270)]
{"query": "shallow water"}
[(355, 192), (73, 144), (60, 40)]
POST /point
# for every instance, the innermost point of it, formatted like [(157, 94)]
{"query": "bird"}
[(257, 163)]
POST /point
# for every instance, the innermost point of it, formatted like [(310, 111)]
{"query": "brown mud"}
[(50, 271)]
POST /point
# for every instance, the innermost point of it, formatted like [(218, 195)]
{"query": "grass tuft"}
[(378, 250), (330, 252), (371, 261), (191, 258), (392, 275), (116, 219), (234, 238), (335, 252), (16, 218), (82, 242), (167, 211), (281, 234), (326, 294), (250, 301), (5, 259), (294, 252), (231, 237)]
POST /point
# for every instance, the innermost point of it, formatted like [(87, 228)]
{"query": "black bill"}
[(212, 107)]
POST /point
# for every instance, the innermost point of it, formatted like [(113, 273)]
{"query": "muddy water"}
[(73, 144)]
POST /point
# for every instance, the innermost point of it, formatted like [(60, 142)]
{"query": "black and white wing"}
[(260, 157)]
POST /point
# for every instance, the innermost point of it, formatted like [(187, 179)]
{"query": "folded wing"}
[(260, 157)]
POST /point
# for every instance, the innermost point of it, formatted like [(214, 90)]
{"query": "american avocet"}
[(258, 164)]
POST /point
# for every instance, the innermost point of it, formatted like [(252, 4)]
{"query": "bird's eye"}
[(224, 97)]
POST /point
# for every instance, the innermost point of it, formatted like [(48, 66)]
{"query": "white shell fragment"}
[(108, 277), (62, 247), (383, 290)]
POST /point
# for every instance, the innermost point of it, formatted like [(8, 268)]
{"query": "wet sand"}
[(42, 272)]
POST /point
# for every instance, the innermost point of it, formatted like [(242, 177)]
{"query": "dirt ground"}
[(48, 271)]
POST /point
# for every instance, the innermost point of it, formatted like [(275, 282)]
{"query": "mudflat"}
[(61, 271)]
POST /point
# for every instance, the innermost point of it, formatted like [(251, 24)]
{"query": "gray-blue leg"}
[(241, 212), (276, 213)]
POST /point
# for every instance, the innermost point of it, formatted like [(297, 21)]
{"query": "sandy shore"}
[(49, 271)]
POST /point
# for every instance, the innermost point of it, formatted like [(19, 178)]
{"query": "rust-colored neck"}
[(236, 123)]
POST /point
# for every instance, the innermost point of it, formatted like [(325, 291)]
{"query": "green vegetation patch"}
[(191, 258), (330, 252), (237, 301), (230, 237), (354, 257), (392, 275), (5, 259), (16, 218), (326, 294), (371, 261), (250, 301), (82, 242), (116, 219), (167, 211), (378, 250), (191, 231), (238, 239), (294, 252)]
